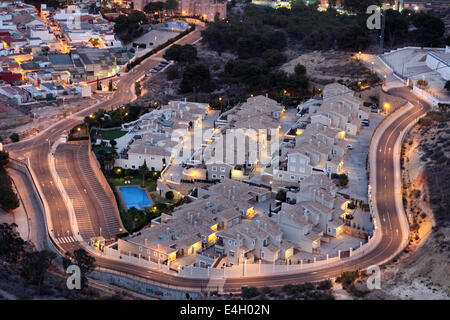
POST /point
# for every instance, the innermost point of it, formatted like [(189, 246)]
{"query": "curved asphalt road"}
[(38, 148)]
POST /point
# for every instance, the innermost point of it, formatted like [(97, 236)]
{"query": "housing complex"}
[(320, 147)]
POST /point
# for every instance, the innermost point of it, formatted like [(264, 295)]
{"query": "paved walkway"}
[(29, 216)]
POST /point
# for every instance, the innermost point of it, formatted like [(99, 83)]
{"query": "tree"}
[(281, 195), (183, 54), (113, 143), (143, 170), (11, 244), (172, 72), (273, 57), (34, 266), (8, 198), (396, 28), (169, 195), (359, 6), (447, 85), (188, 53), (153, 7), (196, 77), (429, 29), (171, 5), (137, 88), (300, 70), (4, 160), (14, 137), (343, 180)]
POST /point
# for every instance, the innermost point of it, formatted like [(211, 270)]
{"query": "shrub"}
[(169, 195), (14, 137), (281, 195), (172, 72), (249, 292)]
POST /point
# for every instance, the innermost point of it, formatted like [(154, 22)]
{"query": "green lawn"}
[(150, 184), (96, 149), (113, 134)]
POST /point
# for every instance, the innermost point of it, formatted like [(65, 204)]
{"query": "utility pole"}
[(383, 23)]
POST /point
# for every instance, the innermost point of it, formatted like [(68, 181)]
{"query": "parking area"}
[(355, 159), (154, 38)]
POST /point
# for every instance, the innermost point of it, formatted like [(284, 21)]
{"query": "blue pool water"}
[(177, 25), (135, 197)]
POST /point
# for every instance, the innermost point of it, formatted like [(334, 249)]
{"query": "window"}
[(222, 169), (262, 255), (152, 158), (140, 249), (154, 253), (234, 243), (214, 176), (230, 242), (161, 256), (302, 161), (302, 169), (292, 168), (148, 251), (222, 176), (292, 177), (133, 166), (231, 253), (214, 168), (292, 160)]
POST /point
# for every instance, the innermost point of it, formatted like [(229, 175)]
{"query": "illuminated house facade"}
[(207, 9)]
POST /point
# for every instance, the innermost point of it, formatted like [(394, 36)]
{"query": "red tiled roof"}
[(3, 108)]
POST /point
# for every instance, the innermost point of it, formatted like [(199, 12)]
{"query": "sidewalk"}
[(28, 216)]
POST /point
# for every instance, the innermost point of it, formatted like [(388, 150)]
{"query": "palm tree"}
[(143, 170)]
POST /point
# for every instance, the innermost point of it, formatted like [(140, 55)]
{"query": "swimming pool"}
[(135, 197), (177, 25)]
